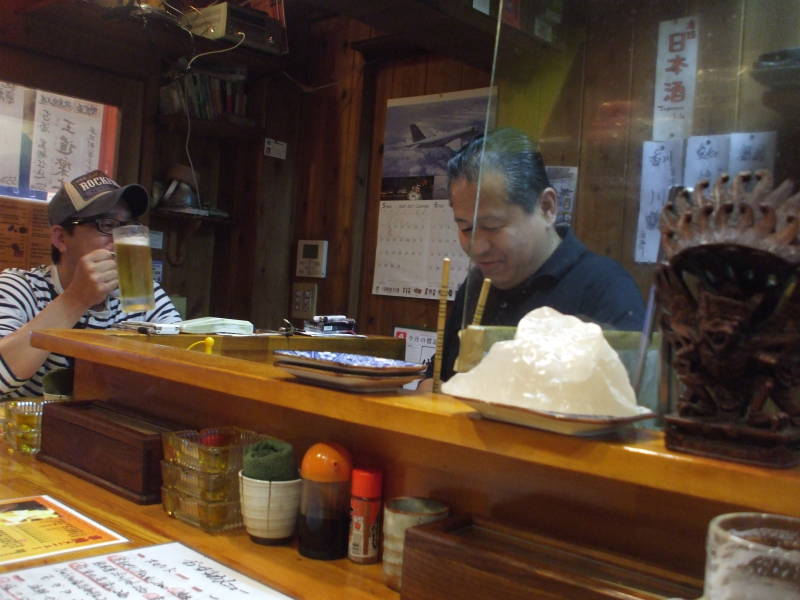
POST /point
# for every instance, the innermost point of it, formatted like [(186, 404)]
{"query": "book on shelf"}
[(208, 93)]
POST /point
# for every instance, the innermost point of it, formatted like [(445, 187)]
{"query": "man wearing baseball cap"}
[(76, 290)]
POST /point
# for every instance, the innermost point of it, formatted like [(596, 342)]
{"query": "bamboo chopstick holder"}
[(443, 288), (476, 320)]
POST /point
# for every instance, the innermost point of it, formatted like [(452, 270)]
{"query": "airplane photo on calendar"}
[(422, 133)]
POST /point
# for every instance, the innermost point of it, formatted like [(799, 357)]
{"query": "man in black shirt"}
[(513, 240)]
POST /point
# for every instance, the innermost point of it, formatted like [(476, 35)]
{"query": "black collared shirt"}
[(574, 281)]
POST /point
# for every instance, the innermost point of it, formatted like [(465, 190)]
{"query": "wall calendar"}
[(413, 238), (416, 229)]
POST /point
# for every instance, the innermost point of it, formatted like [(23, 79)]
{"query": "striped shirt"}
[(23, 295)]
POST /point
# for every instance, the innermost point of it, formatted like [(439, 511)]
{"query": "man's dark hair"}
[(55, 253), (509, 152)]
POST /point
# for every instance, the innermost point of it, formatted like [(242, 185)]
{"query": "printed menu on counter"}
[(37, 526), (169, 570)]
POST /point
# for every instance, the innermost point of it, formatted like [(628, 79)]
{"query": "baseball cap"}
[(93, 194)]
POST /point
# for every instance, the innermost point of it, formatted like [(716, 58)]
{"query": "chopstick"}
[(476, 320), (443, 289)]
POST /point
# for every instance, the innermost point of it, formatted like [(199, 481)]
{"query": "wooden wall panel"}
[(716, 102), (410, 77), (276, 188), (606, 101), (232, 277), (327, 206), (560, 140)]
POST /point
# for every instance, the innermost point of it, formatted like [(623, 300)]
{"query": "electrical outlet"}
[(304, 300)]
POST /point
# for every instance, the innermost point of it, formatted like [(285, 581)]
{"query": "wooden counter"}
[(259, 348), (280, 567), (629, 496)]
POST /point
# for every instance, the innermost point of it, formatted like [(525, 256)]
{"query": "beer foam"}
[(762, 562), (745, 574), (132, 242)]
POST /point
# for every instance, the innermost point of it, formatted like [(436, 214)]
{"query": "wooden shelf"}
[(640, 459), (148, 38), (181, 216), (447, 27)]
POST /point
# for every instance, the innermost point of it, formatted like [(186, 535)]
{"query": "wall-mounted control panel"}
[(312, 258), (304, 300)]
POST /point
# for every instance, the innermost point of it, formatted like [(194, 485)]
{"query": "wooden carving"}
[(730, 309)]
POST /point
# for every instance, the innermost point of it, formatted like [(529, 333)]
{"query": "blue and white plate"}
[(348, 363), (350, 382)]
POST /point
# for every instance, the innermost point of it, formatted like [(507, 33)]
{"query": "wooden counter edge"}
[(640, 459)]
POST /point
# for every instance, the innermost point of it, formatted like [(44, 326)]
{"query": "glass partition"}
[(48, 138), (623, 100), (45, 138)]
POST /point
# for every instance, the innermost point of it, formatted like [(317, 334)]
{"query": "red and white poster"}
[(676, 71)]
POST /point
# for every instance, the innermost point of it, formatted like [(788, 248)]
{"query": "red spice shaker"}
[(365, 516)]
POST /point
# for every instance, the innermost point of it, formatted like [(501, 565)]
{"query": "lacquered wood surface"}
[(640, 460), (280, 567), (260, 348)]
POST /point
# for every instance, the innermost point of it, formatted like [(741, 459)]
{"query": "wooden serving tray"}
[(108, 446), (469, 557)]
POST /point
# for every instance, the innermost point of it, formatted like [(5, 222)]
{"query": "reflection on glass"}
[(511, 237), (623, 100), (47, 138)]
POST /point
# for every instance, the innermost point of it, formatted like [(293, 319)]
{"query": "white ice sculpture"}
[(555, 363)]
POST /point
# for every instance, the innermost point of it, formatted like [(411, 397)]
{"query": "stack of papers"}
[(209, 325)]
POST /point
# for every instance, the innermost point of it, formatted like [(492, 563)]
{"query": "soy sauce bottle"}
[(324, 520)]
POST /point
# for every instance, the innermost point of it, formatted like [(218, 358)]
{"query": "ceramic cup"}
[(398, 515), (752, 555), (269, 508)]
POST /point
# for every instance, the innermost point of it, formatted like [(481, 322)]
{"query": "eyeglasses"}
[(104, 224)]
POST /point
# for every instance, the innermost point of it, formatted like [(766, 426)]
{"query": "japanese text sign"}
[(676, 70)]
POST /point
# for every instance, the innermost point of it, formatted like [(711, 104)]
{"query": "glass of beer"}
[(132, 246), (753, 555)]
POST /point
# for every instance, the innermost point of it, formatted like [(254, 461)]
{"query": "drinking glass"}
[(134, 264), (753, 555)]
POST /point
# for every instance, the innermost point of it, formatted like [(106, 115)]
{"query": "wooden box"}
[(111, 447), (468, 557)]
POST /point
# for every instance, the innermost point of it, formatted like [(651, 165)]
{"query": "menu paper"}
[(66, 139), (11, 106), (661, 169), (751, 151), (564, 180), (37, 526), (420, 347), (25, 239), (706, 158), (160, 572)]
